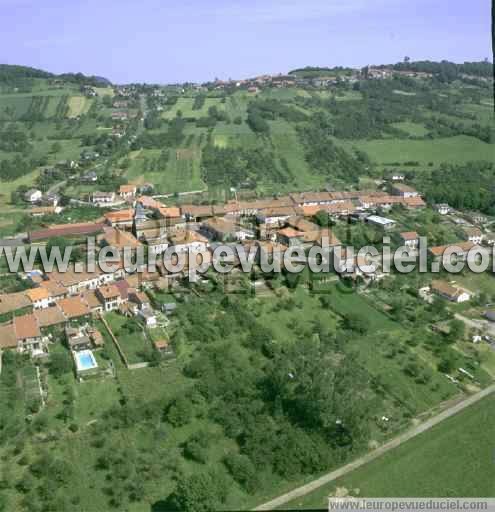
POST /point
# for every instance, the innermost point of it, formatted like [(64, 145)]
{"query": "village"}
[(245, 273), (76, 306)]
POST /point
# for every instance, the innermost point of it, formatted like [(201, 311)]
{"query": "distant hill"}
[(444, 69), (12, 74)]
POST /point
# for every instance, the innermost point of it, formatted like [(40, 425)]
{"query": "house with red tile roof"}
[(109, 296), (74, 307), (28, 334), (127, 191), (39, 297)]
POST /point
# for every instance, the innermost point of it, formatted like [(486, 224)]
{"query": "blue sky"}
[(197, 40)]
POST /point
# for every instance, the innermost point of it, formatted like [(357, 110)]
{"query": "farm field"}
[(428, 465), (78, 105), (177, 176), (287, 145)]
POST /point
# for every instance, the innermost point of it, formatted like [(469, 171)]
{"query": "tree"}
[(356, 322), (196, 447), (180, 412), (56, 148), (243, 471), (196, 493), (60, 363)]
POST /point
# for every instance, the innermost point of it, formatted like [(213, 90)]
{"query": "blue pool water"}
[(85, 360)]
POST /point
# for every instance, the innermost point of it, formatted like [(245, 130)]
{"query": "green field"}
[(454, 458), (185, 105), (455, 150), (414, 129), (177, 176)]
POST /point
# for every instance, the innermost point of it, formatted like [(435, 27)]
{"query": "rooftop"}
[(36, 294), (26, 326), (74, 307), (409, 235)]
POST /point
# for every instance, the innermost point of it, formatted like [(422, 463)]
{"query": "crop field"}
[(429, 464), (287, 145), (78, 105), (178, 175)]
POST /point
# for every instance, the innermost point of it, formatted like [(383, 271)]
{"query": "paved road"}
[(390, 445)]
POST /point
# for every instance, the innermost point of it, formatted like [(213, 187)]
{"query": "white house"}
[(381, 222), (127, 191), (33, 195), (39, 297), (474, 235), (399, 189), (490, 238), (449, 292), (102, 198), (410, 239), (443, 208), (183, 241)]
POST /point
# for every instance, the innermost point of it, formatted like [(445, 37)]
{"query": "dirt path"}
[(390, 445)]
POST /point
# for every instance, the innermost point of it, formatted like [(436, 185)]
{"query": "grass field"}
[(185, 105), (455, 150), (455, 458), (414, 129)]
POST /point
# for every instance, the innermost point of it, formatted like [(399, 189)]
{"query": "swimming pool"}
[(85, 360)]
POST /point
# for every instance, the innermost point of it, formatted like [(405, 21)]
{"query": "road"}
[(482, 325), (54, 188), (390, 445)]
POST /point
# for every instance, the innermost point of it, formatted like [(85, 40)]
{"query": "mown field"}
[(455, 458)]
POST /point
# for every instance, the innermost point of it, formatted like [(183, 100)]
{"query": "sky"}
[(163, 41)]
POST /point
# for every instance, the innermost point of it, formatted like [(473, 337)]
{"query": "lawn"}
[(455, 458), (130, 336)]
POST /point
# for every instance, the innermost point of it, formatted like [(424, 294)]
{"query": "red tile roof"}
[(26, 326), (88, 228), (74, 307)]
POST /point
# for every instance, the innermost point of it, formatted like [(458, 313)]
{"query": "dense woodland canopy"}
[(469, 186)]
